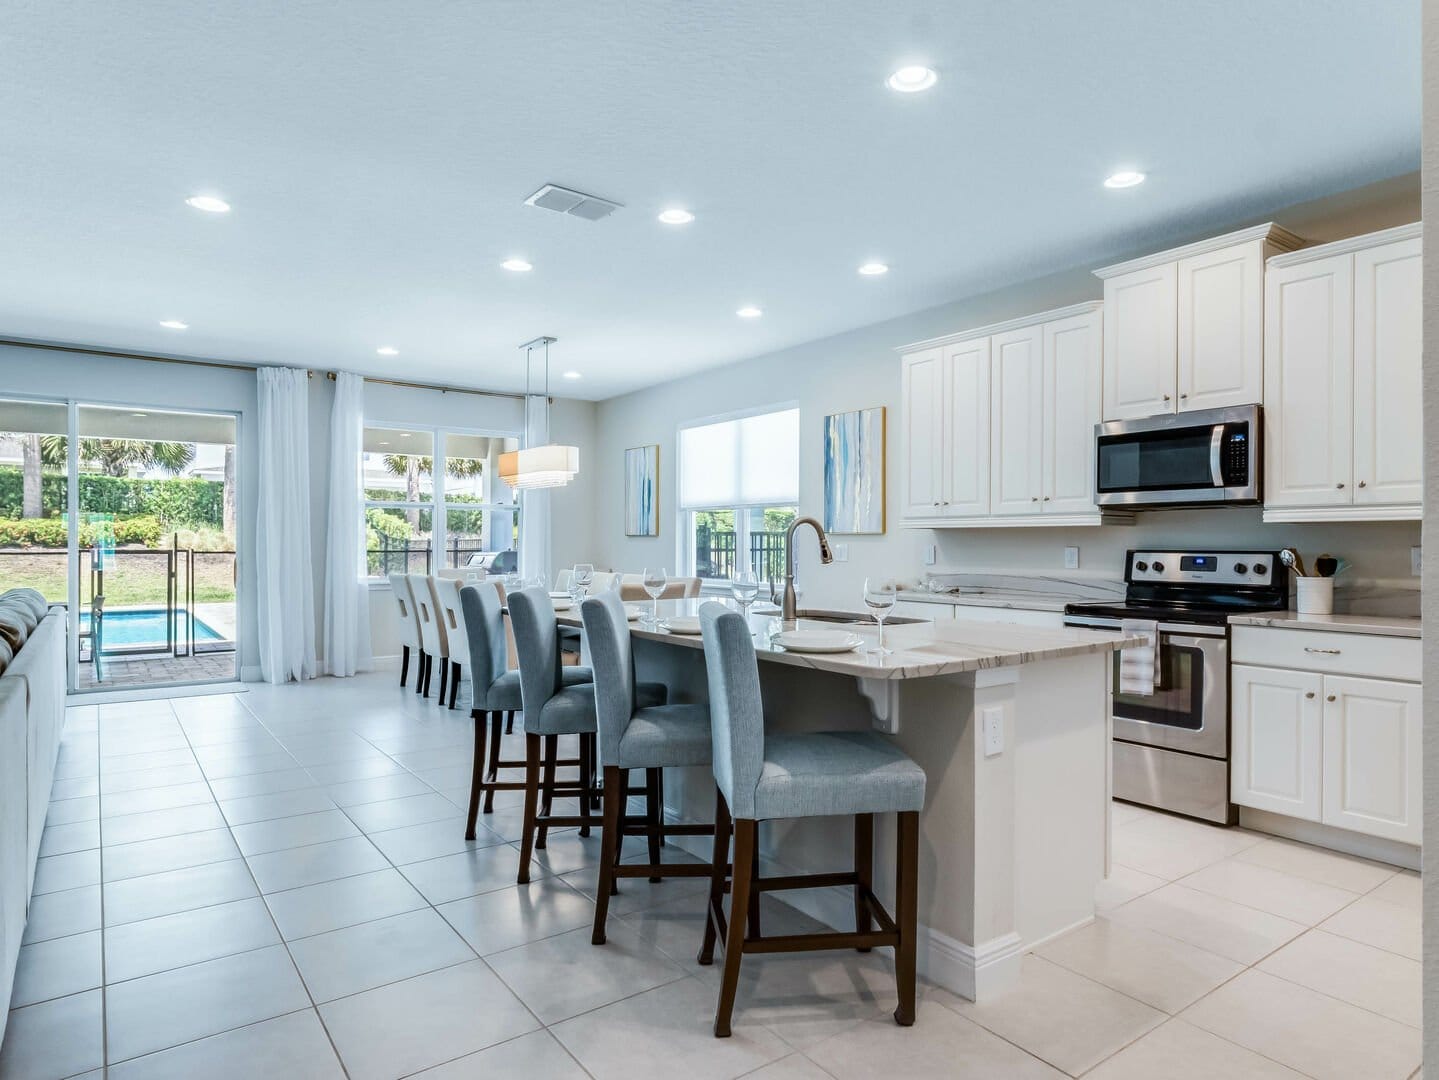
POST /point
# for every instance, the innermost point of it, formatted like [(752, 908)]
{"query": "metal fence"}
[(417, 557), (716, 550)]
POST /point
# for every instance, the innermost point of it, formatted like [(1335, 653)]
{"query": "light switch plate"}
[(1416, 561), (1071, 558), (931, 554), (991, 719)]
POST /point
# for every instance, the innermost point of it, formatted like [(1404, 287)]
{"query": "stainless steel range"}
[(1171, 747)]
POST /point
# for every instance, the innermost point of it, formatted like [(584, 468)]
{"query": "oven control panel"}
[(1203, 567)]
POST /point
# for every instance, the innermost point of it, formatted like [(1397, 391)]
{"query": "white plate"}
[(559, 596), (563, 605), (818, 641), (682, 624), (634, 611)]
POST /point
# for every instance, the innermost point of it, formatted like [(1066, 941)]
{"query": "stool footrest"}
[(663, 870), (818, 942), (804, 881)]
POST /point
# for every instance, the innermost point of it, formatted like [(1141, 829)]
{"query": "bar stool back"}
[(494, 694), (766, 777)]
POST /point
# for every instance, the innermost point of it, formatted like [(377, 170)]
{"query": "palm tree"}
[(117, 457), (32, 503), (413, 466)]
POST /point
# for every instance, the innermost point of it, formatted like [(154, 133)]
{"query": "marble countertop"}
[(999, 598), (1025, 590), (918, 650), (1384, 625)]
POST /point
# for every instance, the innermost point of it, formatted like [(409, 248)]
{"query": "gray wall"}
[(860, 369)]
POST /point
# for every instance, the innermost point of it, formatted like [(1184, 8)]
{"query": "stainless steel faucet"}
[(789, 611)]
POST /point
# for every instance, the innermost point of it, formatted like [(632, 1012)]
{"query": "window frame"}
[(438, 507)]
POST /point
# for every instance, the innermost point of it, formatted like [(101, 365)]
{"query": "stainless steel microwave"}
[(1184, 459)]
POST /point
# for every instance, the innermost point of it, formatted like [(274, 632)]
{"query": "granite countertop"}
[(998, 598), (1025, 590), (920, 650), (1384, 625)]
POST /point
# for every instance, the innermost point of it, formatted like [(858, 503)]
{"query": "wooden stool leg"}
[(532, 799), (587, 749), (744, 847), (477, 776), (654, 816), (404, 663), (608, 849), (752, 911), (552, 754), (660, 797), (510, 722), (906, 914), (496, 723), (719, 870), (864, 871)]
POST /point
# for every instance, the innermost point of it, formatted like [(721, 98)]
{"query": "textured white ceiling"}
[(377, 155)]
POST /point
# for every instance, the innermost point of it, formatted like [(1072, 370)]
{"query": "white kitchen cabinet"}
[(1072, 379), (1276, 740), (1017, 421), (1372, 766), (1343, 365), (1184, 329), (923, 454), (966, 429)]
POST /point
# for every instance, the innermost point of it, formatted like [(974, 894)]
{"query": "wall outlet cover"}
[(991, 719), (840, 552), (931, 554), (1071, 558)]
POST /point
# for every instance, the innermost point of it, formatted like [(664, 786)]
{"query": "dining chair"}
[(767, 777), (551, 708), (431, 582), (676, 588), (636, 736), (429, 627), (452, 622), (409, 625)]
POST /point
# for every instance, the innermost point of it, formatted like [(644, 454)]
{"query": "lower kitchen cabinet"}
[(1337, 749)]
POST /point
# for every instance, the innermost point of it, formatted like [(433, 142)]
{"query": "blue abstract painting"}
[(854, 471), (642, 491)]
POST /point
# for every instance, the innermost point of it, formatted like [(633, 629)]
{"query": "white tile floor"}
[(276, 884)]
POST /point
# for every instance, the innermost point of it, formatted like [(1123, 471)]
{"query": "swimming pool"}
[(132, 627)]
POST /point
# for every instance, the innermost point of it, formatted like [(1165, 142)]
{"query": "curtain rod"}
[(434, 386)]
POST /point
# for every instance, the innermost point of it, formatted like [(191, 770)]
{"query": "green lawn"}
[(138, 577)]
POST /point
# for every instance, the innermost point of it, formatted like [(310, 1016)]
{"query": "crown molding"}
[(1350, 245), (1276, 235), (1001, 327)]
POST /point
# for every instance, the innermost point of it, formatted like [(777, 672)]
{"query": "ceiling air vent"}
[(576, 203)]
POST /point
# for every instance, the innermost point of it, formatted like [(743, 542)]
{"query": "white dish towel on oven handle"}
[(1139, 664)]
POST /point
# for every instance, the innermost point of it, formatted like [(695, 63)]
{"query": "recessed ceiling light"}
[(404, 434), (519, 266), (872, 269), (676, 216), (1123, 179), (912, 79), (384, 442), (208, 203), (572, 375), (749, 312), (139, 414), (388, 350), (174, 324)]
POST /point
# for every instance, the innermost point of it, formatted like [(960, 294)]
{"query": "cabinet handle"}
[(1361, 483), (1309, 694), (1046, 498), (1035, 499), (936, 504), (1340, 485), (1322, 652), (1166, 397), (1329, 698), (1183, 397)]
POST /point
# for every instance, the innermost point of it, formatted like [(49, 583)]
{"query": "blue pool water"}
[(145, 626)]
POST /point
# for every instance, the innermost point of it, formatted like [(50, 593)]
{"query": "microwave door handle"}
[(1216, 445)]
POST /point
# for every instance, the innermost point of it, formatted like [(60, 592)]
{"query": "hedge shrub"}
[(50, 532), (177, 502)]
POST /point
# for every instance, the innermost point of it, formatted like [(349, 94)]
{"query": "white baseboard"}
[(148, 693), (970, 971), (251, 673), (1327, 836)]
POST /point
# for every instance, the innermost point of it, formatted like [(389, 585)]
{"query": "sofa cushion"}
[(14, 628), (24, 611), (5, 655), (31, 598)]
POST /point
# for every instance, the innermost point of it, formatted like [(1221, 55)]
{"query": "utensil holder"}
[(1315, 595)]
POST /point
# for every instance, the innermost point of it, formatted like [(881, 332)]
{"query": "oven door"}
[(1189, 709)]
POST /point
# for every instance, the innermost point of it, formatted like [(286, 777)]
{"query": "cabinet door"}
[(1388, 440), (1276, 754), (1139, 343), (1221, 328), (1372, 780), (1071, 409), (923, 447), (966, 430), (1016, 444), (1308, 379)]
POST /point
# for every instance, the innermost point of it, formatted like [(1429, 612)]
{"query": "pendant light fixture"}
[(548, 464)]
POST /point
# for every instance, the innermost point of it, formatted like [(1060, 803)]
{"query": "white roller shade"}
[(750, 461)]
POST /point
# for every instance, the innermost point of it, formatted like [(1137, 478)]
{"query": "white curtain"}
[(282, 527), (347, 596), (535, 502)]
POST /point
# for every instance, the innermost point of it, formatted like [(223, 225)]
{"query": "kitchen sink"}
[(854, 618)]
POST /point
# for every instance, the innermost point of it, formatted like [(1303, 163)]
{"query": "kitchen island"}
[(1011, 725)]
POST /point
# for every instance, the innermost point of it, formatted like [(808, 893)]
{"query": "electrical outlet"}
[(1416, 561), (1071, 558), (931, 554), (840, 552), (991, 719)]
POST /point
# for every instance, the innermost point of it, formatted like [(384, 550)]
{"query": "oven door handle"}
[(1216, 446), (1186, 630)]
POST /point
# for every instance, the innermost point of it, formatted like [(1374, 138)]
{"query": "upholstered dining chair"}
[(409, 625), (432, 584), (429, 626), (452, 622), (676, 588), (635, 736), (494, 693), (766, 777)]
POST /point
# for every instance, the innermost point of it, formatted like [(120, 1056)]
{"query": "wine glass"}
[(879, 596), (584, 576), (744, 588), (655, 581)]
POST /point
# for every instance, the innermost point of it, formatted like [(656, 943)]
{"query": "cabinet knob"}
[(1361, 483), (1329, 698), (1035, 499), (1046, 498), (936, 504), (1183, 397), (1340, 484), (1309, 694), (1166, 397)]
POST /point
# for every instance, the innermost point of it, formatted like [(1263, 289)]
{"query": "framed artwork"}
[(854, 493), (642, 491)]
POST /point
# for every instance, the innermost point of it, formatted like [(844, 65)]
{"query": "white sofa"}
[(32, 716)]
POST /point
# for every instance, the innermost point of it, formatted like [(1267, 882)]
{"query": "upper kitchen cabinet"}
[(999, 424), (1184, 329), (1342, 381)]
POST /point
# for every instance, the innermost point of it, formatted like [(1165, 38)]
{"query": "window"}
[(420, 516), (738, 492)]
